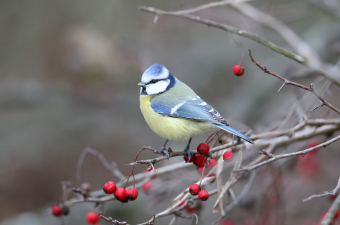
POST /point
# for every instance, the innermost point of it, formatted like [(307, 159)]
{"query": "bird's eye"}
[(153, 81)]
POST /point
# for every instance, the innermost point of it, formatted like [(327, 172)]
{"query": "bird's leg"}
[(164, 151), (187, 149)]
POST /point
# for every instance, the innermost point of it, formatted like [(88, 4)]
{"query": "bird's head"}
[(156, 79)]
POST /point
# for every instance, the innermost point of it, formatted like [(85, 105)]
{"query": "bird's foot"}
[(166, 152), (187, 150)]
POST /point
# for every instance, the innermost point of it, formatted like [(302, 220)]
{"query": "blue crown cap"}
[(155, 69)]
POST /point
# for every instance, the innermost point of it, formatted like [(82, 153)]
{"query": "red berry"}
[(228, 155), (109, 187), (212, 163), (238, 70), (56, 210), (199, 160), (203, 148), (132, 194), (120, 194), (146, 187), (212, 175), (191, 159), (189, 209), (194, 189), (203, 195), (92, 217), (313, 144)]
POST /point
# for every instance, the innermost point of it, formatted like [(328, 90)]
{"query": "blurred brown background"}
[(68, 80)]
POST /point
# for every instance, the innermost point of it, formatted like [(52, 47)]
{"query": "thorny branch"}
[(288, 82)]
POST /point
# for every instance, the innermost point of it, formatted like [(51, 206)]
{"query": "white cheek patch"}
[(156, 88)]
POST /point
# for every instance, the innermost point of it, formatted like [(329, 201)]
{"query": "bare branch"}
[(198, 8), (331, 212), (313, 59), (333, 192), (243, 192), (114, 222), (276, 157), (225, 27), (112, 167), (265, 70)]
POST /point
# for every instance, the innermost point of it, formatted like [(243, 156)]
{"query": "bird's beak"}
[(142, 84)]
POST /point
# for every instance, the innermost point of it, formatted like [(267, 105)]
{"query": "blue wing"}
[(193, 109)]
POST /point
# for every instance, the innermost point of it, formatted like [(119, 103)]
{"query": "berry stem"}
[(202, 175), (242, 57)]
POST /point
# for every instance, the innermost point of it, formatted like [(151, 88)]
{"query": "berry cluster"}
[(121, 194), (196, 189)]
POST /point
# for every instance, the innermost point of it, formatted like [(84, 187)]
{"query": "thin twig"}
[(288, 82), (225, 27), (333, 192), (276, 157), (313, 60), (115, 172)]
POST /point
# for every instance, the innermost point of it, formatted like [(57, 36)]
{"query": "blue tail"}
[(233, 131)]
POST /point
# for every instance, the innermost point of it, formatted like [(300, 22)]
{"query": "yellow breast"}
[(168, 127)]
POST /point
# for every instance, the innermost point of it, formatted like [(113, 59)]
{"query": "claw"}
[(166, 152), (187, 150)]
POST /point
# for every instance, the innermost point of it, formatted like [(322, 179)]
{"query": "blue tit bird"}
[(174, 111)]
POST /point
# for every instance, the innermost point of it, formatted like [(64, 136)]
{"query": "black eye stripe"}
[(153, 81)]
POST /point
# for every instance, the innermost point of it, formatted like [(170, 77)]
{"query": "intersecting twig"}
[(112, 167), (311, 58), (288, 82), (333, 192), (331, 212)]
